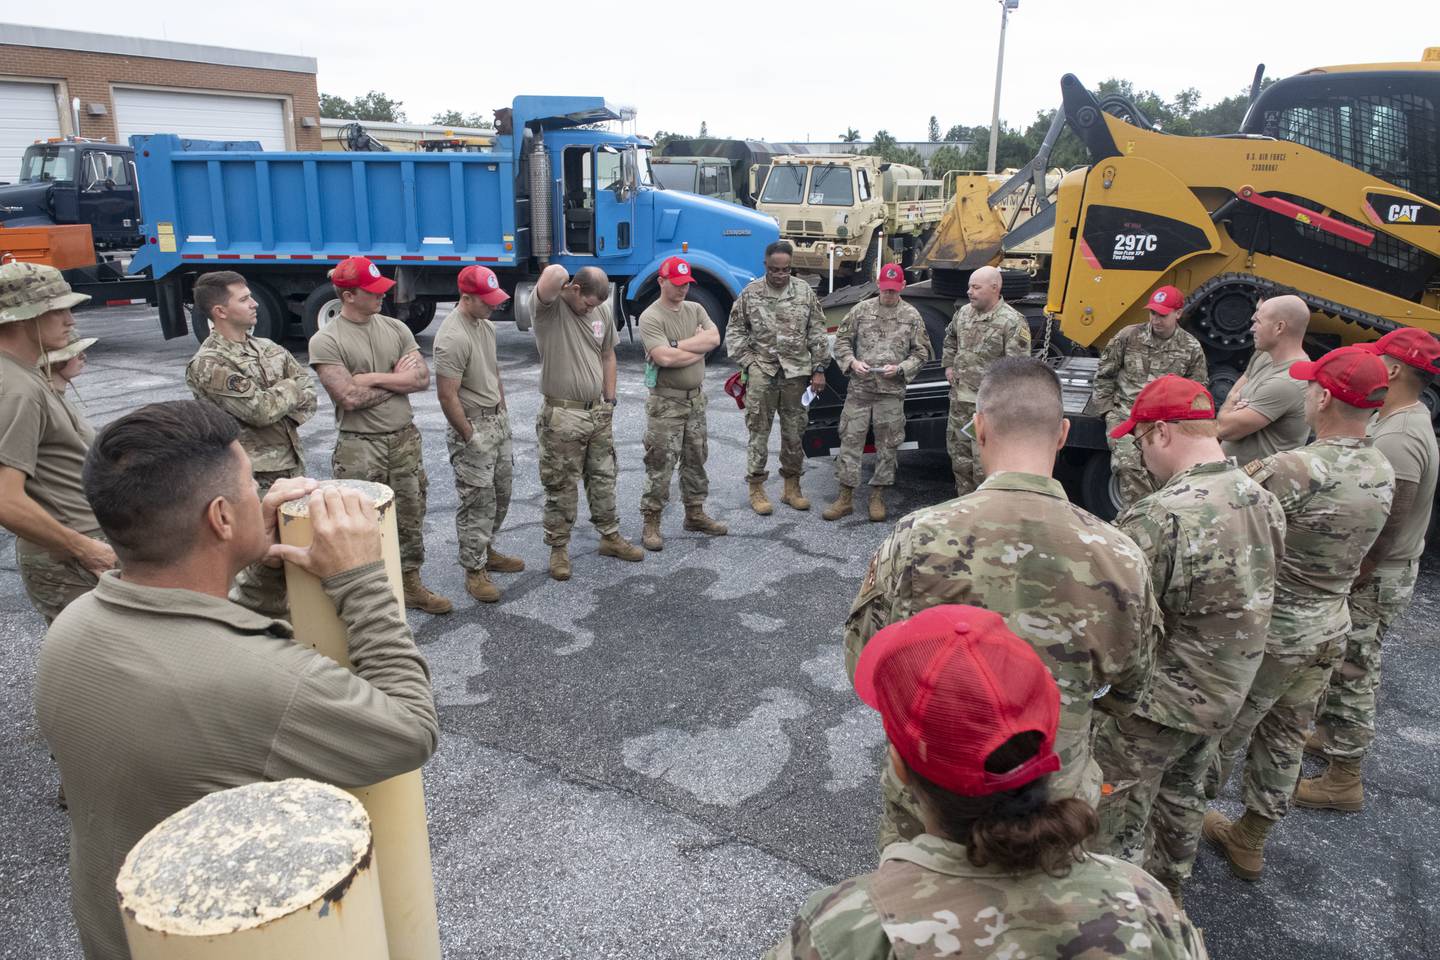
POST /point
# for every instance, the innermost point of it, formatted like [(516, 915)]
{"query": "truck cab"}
[(706, 176), (67, 180)]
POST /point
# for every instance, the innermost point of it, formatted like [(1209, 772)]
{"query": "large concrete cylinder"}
[(397, 805), (268, 871)]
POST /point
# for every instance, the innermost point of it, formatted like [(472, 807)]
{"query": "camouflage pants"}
[(675, 433), (250, 582), (398, 461), (1153, 817), (900, 816), (484, 469), (964, 453), (886, 412), (51, 582), (765, 395), (1348, 710), (1273, 722), (1126, 465), (577, 445)]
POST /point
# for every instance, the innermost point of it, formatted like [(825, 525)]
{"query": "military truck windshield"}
[(831, 186), (674, 176), (786, 184), (47, 163)]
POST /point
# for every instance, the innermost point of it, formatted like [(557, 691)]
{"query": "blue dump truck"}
[(554, 189)]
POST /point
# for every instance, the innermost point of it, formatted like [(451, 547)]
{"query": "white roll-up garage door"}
[(27, 113), (200, 116)]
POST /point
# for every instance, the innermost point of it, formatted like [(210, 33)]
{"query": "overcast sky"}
[(772, 71)]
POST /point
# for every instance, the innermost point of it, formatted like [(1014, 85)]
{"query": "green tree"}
[(704, 129), (887, 148), (662, 139), (934, 130), (372, 106), (850, 135), (454, 118)]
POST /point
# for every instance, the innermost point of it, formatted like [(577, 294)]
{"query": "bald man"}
[(1265, 411), (982, 331)]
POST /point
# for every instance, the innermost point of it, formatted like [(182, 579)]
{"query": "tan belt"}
[(574, 404), (675, 393), (483, 412)]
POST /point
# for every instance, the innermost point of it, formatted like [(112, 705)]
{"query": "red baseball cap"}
[(1168, 398), (1166, 301), (1408, 345), (676, 270), (892, 277), (359, 273), (481, 282), (1351, 374), (952, 685)]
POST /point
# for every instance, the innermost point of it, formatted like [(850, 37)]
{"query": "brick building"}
[(130, 85)]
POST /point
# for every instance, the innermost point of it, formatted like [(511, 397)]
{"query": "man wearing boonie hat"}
[(1212, 536), (677, 334), (370, 364), (1137, 355), (971, 713), (1403, 432), (62, 366), (881, 345), (43, 441), (1336, 493), (467, 381), (1019, 547)]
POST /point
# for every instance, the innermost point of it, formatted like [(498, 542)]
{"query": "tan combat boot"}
[(614, 545), (877, 504), (419, 597), (1317, 740), (697, 521), (479, 585), (843, 506), (758, 501), (793, 496), (650, 537), (560, 563), (1242, 842), (497, 562), (1338, 788)]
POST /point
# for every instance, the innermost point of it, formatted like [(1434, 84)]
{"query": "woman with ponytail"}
[(1001, 871)]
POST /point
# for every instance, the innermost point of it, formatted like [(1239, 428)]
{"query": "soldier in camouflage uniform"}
[(575, 334), (776, 336), (1336, 493), (59, 548), (1403, 433), (1135, 356), (369, 364), (253, 379), (1212, 536), (1017, 546), (952, 891), (677, 333), (467, 383), (881, 345), (981, 332), (62, 366)]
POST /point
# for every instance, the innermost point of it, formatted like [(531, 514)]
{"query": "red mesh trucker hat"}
[(359, 273), (676, 270), (1168, 398), (1410, 346), (481, 282), (1351, 374), (952, 685)]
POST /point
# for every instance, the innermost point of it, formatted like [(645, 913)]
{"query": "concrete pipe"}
[(267, 871), (397, 805)]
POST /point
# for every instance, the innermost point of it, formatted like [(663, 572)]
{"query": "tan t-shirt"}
[(465, 351), (1407, 439), (374, 346), (659, 325), (570, 348), (1273, 393), (46, 439)]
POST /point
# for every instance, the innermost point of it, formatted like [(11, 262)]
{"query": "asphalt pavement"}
[(662, 759)]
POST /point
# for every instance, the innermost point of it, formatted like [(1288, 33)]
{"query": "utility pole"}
[(1005, 7)]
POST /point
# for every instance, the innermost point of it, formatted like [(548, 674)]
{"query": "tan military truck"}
[(849, 213)]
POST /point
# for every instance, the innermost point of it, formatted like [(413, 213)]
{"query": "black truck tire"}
[(1098, 488), (320, 307), (717, 313)]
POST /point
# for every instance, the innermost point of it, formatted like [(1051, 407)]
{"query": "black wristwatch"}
[(675, 344)]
